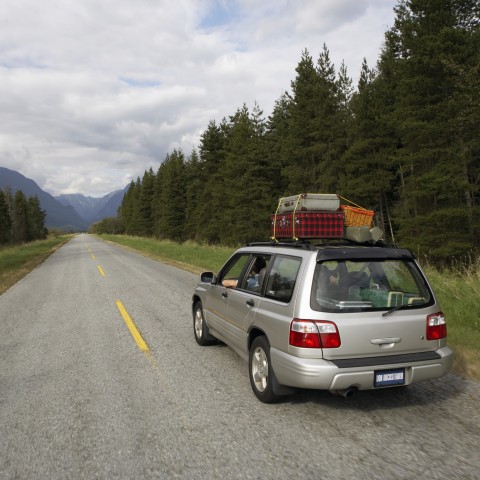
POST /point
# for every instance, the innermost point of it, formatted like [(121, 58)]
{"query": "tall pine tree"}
[(5, 220), (427, 40)]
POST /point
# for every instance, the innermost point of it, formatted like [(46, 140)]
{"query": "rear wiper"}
[(394, 309)]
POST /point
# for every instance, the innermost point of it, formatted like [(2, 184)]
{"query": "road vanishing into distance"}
[(101, 378)]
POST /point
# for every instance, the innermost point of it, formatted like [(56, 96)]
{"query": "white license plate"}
[(387, 378)]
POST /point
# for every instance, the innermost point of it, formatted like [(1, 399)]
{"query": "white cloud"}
[(94, 93)]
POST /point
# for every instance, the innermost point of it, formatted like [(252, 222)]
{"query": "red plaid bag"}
[(308, 225)]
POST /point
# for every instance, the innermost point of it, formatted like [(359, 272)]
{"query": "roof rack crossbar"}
[(296, 244)]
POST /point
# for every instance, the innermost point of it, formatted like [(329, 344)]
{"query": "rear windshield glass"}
[(368, 285)]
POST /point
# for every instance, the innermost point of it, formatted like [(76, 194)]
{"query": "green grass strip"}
[(190, 256), (17, 261)]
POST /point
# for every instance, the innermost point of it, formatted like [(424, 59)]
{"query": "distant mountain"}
[(64, 213), (110, 208), (94, 209)]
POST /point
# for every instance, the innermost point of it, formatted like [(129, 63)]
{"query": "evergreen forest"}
[(21, 218), (404, 142)]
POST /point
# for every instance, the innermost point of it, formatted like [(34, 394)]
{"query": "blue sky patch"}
[(220, 13)]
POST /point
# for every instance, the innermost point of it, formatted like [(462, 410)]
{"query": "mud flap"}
[(279, 389)]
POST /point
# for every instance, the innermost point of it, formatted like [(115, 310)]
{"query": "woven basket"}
[(357, 217)]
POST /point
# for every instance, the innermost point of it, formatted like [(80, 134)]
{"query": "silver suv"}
[(339, 317)]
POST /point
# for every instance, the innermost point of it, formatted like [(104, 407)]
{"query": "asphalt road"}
[(82, 397)]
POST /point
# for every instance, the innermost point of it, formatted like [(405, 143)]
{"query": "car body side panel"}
[(215, 304), (241, 311)]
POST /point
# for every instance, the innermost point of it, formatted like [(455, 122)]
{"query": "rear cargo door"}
[(380, 306), (370, 334)]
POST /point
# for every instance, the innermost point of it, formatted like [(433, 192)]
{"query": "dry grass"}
[(17, 261), (458, 291), (467, 363)]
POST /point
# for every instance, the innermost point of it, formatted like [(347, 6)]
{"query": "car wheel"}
[(262, 377), (200, 328)]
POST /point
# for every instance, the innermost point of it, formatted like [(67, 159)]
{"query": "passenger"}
[(257, 273)]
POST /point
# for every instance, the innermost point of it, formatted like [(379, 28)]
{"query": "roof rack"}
[(347, 242), (293, 244), (315, 243)]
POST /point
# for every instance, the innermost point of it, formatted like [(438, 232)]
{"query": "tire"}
[(262, 377), (200, 328)]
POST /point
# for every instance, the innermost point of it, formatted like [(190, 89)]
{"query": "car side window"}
[(253, 280), (282, 278), (230, 276)]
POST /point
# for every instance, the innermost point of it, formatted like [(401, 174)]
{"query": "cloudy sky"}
[(94, 92)]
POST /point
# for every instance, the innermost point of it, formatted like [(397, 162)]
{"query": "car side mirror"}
[(207, 277)]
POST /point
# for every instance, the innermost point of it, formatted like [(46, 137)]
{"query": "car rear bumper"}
[(325, 375)]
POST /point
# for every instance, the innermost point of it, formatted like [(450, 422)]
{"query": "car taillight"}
[(314, 334), (436, 326)]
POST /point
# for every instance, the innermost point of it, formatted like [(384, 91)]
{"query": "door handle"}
[(383, 341), (224, 294), (250, 303)]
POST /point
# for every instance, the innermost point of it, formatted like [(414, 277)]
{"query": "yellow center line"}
[(93, 256), (100, 269), (133, 329)]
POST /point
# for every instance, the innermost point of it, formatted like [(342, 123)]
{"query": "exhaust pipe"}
[(346, 392)]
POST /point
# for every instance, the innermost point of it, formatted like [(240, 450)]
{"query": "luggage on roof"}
[(320, 216), (309, 202)]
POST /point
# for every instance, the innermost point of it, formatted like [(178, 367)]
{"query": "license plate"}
[(387, 378)]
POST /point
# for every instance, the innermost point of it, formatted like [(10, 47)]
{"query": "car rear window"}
[(368, 285)]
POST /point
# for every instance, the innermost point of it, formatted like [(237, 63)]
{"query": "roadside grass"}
[(190, 256), (458, 291), (17, 261)]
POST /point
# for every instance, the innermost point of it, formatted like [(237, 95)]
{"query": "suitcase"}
[(309, 202), (296, 225)]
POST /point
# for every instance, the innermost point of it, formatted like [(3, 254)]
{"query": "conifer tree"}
[(210, 209), (345, 115), (5, 221), (193, 187), (125, 208), (332, 123), (171, 199), (130, 208), (146, 223), (319, 123), (276, 138), (36, 220), (301, 160), (249, 200), (427, 39), (20, 218), (369, 175)]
